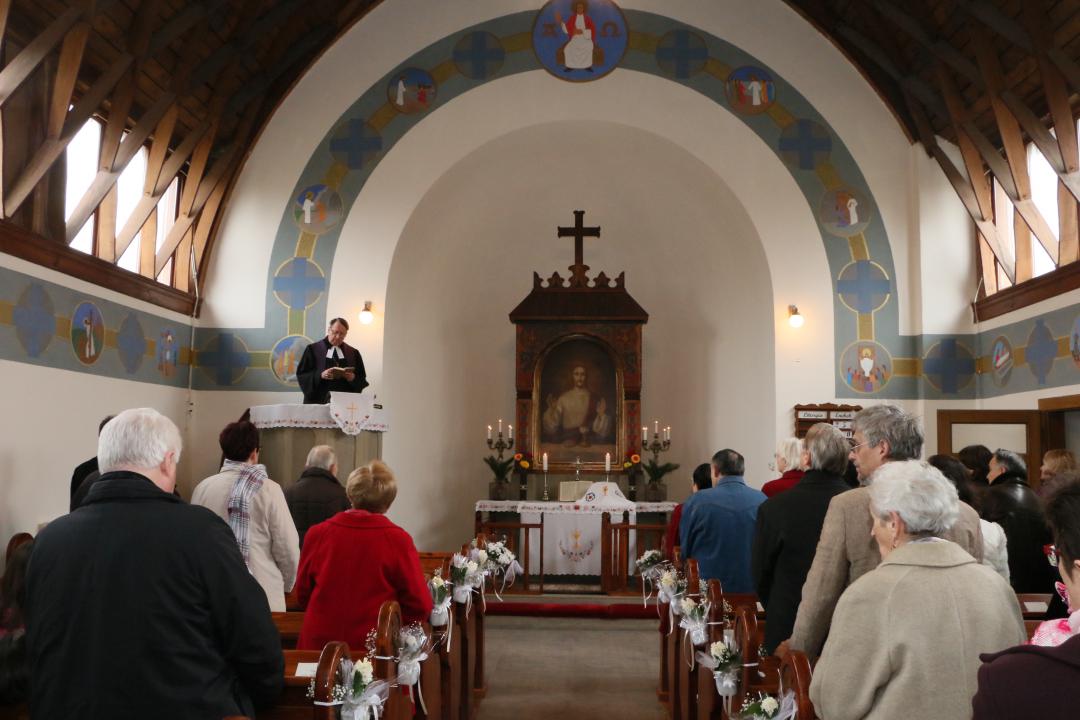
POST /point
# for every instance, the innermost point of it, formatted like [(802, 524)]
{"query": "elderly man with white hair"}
[(317, 495), (140, 605), (906, 637)]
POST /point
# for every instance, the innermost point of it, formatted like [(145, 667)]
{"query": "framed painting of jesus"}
[(577, 402)]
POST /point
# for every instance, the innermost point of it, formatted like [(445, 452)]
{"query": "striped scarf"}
[(248, 482)]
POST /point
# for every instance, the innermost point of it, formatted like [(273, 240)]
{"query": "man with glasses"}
[(847, 550)]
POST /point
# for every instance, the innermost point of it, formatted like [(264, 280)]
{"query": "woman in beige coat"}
[(906, 637)]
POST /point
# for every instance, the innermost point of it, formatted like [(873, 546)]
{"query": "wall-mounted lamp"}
[(795, 318), (367, 317)]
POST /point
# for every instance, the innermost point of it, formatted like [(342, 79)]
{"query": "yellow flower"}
[(517, 456), (635, 458), (524, 464), (627, 464)]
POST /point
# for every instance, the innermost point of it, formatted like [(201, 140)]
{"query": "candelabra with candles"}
[(500, 445), (661, 440)]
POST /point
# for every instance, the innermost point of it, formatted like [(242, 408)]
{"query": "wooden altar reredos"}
[(597, 309)]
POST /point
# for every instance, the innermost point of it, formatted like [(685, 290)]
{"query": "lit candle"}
[(489, 432), (500, 426), (511, 429), (644, 435), (667, 433), (607, 462), (656, 427), (545, 462)]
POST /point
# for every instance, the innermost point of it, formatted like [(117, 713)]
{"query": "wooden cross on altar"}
[(579, 232)]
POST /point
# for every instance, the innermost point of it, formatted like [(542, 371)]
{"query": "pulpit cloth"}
[(320, 416), (571, 531)]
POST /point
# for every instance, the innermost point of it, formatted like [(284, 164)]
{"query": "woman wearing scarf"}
[(255, 508)]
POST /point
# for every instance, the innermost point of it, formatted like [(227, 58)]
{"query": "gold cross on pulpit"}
[(351, 407), (579, 232)]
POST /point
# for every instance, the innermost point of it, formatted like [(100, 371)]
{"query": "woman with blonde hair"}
[(354, 561), (1057, 465)]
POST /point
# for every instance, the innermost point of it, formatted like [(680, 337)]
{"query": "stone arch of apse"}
[(865, 310)]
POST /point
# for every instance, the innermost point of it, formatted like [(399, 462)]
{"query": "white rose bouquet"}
[(440, 599), (695, 618), (767, 707), (501, 562), (465, 575), (672, 588), (726, 663), (360, 695)]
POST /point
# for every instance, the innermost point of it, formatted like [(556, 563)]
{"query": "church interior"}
[(572, 252)]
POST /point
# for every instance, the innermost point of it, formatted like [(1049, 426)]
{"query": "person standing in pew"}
[(138, 604), (846, 551), (788, 528), (254, 507), (354, 562), (906, 636), (317, 495)]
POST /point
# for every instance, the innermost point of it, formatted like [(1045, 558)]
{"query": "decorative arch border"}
[(857, 248)]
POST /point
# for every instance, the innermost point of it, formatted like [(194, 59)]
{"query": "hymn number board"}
[(839, 416)]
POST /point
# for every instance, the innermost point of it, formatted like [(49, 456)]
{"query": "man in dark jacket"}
[(1013, 505), (86, 468), (317, 495), (140, 605), (789, 526)]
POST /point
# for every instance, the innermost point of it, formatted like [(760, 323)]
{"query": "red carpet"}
[(619, 611)]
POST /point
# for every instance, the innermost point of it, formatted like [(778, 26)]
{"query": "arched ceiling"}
[(195, 81)]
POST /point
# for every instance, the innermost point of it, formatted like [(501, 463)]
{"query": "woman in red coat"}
[(354, 561)]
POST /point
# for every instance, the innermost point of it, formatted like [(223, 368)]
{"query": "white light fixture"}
[(367, 317), (795, 319)]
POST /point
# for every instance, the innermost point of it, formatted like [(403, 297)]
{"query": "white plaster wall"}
[(49, 425), (466, 257)]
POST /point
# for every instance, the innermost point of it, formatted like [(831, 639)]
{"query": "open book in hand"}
[(340, 371)]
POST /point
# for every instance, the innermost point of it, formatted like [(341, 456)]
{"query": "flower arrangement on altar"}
[(440, 598), (631, 461), (656, 470), (500, 467), (523, 460), (767, 707)]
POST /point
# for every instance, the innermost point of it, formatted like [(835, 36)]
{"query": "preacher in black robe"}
[(315, 361)]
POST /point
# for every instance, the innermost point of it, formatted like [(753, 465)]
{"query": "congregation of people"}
[(901, 583)]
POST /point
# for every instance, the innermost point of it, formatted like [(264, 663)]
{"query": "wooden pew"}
[(288, 625), (1033, 606), (795, 675), (708, 702), (397, 705), (687, 682), (663, 690)]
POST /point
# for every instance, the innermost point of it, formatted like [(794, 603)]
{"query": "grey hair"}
[(1010, 462), (828, 448), (890, 424), (790, 449), (917, 492), (137, 438), (321, 456)]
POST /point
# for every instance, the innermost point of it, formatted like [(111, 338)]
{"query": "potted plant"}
[(499, 489), (654, 491)]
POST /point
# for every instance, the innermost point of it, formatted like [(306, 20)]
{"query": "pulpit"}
[(353, 426)]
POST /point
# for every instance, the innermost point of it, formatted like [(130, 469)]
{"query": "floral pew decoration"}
[(650, 566), (498, 562), (466, 577), (767, 707), (360, 696), (672, 588), (413, 648), (695, 621), (726, 664)]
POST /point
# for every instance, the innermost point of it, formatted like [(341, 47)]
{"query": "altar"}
[(287, 432), (567, 538)]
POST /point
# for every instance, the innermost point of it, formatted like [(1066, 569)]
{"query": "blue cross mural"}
[(34, 320), (951, 363), (299, 283), (863, 286), (225, 359), (681, 53), (804, 144), (355, 143), (131, 343), (479, 55), (1040, 351)]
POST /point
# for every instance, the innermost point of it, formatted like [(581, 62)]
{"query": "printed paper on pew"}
[(1035, 606), (306, 669)]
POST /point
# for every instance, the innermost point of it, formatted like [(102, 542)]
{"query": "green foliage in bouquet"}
[(656, 471), (500, 467)]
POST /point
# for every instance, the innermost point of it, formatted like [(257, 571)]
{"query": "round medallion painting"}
[(316, 209), (1074, 342), (87, 333), (1001, 361), (579, 41), (286, 356), (866, 366), (845, 212), (411, 91), (750, 91)]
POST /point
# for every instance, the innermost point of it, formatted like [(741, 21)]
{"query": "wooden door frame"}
[(1032, 419)]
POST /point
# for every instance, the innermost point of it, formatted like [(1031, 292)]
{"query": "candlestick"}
[(656, 427), (607, 462), (644, 435), (545, 462), (489, 433), (500, 425)]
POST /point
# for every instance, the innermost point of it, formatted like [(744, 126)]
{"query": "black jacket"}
[(82, 470), (315, 497), (788, 529), (140, 605), (1011, 503)]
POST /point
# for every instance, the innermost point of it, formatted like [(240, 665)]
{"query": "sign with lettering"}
[(813, 415)]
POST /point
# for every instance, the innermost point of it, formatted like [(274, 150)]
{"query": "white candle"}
[(607, 462), (667, 433), (656, 427), (545, 462), (644, 435), (489, 432), (511, 429), (500, 426)]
